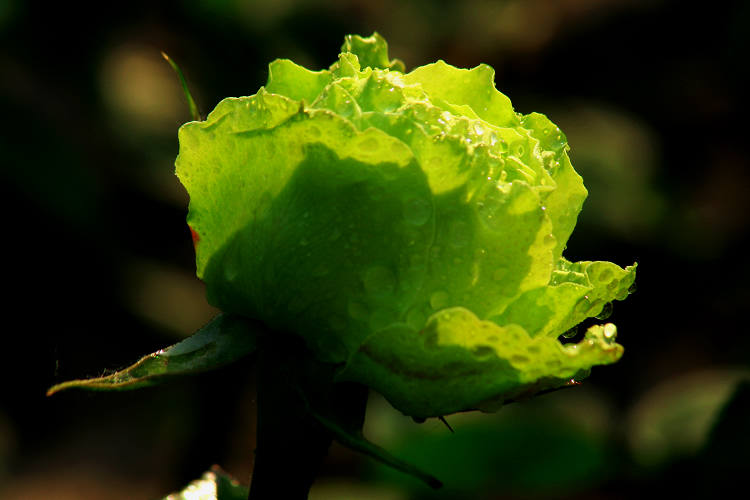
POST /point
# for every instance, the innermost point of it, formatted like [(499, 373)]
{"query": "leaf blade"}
[(224, 340)]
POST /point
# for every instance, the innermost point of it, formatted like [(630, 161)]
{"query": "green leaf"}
[(224, 340), (361, 207), (674, 419), (213, 485)]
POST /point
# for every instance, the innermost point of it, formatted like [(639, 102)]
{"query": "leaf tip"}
[(59, 387)]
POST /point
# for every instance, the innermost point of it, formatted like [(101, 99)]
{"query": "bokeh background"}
[(98, 263)]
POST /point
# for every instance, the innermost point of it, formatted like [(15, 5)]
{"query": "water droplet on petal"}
[(609, 332), (606, 311), (369, 145), (594, 306), (519, 359), (482, 351), (417, 211), (605, 275), (569, 334), (314, 132), (518, 148)]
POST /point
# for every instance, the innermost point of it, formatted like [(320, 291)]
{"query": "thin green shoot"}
[(191, 102)]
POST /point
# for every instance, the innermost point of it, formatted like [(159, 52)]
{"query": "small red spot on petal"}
[(195, 236)]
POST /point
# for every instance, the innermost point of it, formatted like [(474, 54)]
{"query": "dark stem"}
[(291, 443)]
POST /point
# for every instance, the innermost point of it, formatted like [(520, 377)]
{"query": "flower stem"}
[(291, 443)]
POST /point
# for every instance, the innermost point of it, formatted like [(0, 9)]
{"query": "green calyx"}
[(409, 226)]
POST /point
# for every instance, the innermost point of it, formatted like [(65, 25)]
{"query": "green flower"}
[(409, 226)]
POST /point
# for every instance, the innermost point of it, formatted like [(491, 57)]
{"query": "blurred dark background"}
[(99, 263)]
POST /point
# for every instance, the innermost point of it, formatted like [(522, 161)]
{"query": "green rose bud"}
[(409, 226)]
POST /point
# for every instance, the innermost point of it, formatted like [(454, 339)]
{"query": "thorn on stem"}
[(442, 419)]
